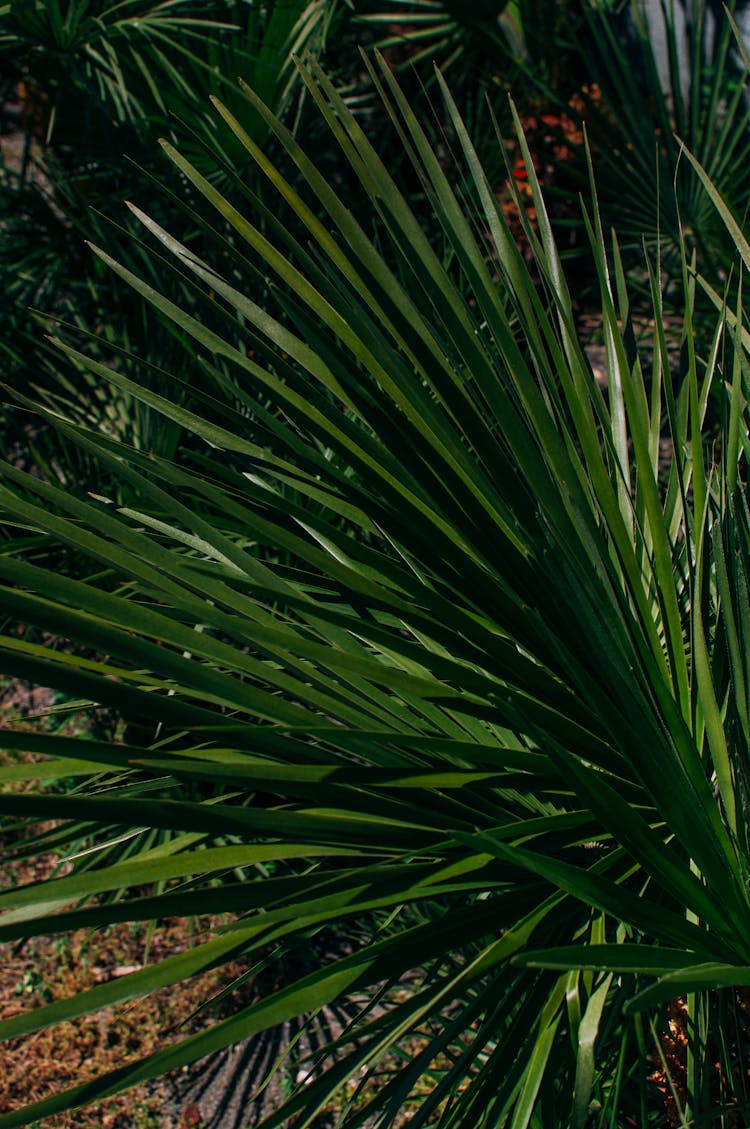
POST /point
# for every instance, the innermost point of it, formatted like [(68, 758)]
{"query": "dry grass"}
[(48, 1061)]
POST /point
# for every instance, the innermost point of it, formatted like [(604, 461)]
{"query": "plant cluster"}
[(427, 642), (88, 88)]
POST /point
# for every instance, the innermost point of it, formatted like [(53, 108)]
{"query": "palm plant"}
[(446, 30), (136, 58), (94, 81), (667, 76), (434, 649), (485, 49), (488, 37)]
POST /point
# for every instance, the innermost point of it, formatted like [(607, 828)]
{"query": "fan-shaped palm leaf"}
[(417, 625)]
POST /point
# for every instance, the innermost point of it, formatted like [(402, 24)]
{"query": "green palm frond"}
[(97, 80), (420, 618), (138, 56), (665, 78), (443, 30)]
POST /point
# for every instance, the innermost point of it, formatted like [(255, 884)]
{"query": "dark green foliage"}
[(418, 621), (87, 84), (691, 91)]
